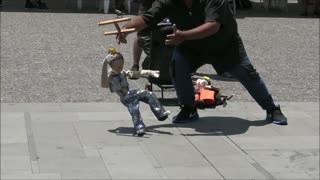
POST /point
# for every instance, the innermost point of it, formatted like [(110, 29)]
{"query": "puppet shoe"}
[(164, 116), (140, 128), (276, 116)]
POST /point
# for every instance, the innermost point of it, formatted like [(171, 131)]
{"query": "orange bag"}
[(205, 97)]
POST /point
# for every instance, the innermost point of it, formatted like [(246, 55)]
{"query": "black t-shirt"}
[(225, 46)]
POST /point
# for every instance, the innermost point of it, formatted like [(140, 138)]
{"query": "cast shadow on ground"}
[(206, 126)]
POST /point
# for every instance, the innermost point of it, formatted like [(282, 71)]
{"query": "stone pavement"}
[(57, 123), (95, 141)]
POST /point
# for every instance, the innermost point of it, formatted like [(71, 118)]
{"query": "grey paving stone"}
[(42, 117), (100, 134), (15, 164), (30, 176), (13, 128), (56, 140), (33, 107), (225, 143), (290, 163), (125, 162), (175, 151), (196, 172), (281, 142), (75, 168), (14, 149)]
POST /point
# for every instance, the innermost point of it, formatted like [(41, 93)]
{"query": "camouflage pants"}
[(133, 98)]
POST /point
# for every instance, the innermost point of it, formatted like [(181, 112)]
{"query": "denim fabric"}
[(244, 72)]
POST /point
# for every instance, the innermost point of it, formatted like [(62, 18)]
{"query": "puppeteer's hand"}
[(175, 38), (121, 38)]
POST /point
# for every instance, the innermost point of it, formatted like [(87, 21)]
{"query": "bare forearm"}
[(202, 31), (136, 22)]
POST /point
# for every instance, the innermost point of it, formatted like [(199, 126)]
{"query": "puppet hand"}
[(147, 73), (155, 74), (133, 74)]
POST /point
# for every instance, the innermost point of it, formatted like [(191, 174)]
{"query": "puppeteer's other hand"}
[(122, 38), (175, 38)]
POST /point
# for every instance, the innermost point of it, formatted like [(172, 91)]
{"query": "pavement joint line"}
[(154, 161), (31, 144), (252, 161), (212, 165), (78, 137), (99, 149)]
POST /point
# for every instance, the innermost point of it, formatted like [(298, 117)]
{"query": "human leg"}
[(137, 51), (220, 71), (41, 5), (251, 80), (181, 70), (29, 5)]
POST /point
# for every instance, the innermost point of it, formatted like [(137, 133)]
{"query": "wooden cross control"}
[(115, 22)]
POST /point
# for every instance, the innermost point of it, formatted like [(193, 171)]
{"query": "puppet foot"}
[(140, 128), (164, 116)]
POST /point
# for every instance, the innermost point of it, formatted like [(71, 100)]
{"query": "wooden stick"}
[(116, 32), (114, 21), (117, 27)]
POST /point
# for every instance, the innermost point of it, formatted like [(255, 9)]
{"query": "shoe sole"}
[(193, 118), (278, 122), (165, 116), (140, 132)]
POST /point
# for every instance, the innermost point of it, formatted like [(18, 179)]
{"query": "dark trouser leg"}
[(251, 80), (181, 70)]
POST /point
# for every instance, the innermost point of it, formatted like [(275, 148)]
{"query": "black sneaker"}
[(276, 116), (164, 116), (187, 114), (42, 6), (30, 5)]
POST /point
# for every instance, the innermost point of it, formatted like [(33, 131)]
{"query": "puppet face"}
[(117, 65)]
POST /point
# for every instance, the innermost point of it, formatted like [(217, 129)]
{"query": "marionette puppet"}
[(116, 80)]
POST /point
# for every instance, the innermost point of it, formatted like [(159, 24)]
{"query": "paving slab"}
[(85, 142)]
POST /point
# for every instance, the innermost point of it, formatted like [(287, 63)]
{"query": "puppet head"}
[(115, 60)]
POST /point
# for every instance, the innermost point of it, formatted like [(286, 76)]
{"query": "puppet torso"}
[(119, 84)]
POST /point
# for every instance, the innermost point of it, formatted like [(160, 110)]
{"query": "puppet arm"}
[(142, 73)]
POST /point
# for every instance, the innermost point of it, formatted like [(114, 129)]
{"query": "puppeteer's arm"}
[(142, 73)]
